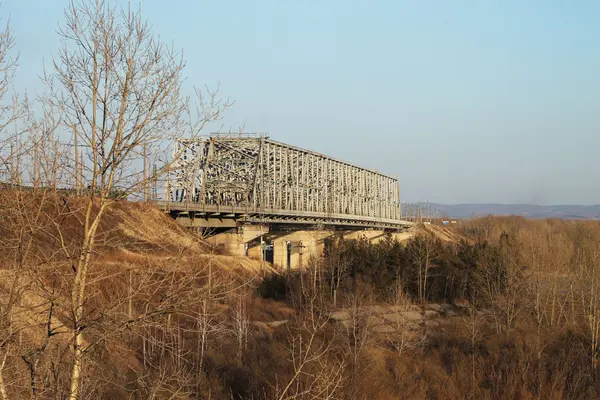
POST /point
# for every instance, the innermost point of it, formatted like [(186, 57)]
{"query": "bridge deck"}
[(250, 214)]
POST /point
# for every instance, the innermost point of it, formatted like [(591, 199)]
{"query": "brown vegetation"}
[(166, 319), (101, 298), (152, 284), (523, 319)]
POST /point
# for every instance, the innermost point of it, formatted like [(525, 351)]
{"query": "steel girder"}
[(256, 175)]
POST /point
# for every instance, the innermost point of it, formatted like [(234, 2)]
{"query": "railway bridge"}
[(259, 197)]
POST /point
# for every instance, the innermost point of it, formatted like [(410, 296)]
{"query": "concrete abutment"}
[(288, 249)]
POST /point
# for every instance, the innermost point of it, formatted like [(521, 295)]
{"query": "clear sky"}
[(464, 101)]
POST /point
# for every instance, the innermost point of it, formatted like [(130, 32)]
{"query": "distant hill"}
[(525, 210)]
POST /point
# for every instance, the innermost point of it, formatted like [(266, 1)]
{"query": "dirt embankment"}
[(52, 226), (444, 233), (40, 237)]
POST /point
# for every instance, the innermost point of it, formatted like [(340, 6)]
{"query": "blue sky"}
[(464, 101)]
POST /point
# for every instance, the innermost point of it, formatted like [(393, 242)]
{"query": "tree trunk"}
[(3, 394), (335, 297), (79, 295)]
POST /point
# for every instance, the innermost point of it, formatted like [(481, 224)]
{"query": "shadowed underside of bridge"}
[(228, 181)]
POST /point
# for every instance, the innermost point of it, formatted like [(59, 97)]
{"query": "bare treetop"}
[(118, 86)]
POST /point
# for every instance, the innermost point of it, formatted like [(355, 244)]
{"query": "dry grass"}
[(142, 251), (444, 233)]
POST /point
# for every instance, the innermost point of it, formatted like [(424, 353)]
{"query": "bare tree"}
[(473, 324), (403, 336), (8, 66), (48, 162), (28, 224), (588, 258), (12, 107), (119, 90), (317, 373), (422, 254), (240, 326), (359, 335), (337, 263), (501, 284)]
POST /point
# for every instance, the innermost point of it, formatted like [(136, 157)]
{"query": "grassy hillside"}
[(146, 273)]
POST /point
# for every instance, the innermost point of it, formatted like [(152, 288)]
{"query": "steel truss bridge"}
[(222, 181)]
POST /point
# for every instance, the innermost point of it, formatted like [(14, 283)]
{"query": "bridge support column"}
[(294, 250), (374, 236), (235, 242)]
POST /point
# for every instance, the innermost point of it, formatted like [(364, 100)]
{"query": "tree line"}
[(526, 293)]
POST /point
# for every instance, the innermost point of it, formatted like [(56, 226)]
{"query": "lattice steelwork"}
[(256, 176)]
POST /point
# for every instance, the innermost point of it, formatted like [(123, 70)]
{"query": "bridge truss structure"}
[(254, 179)]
